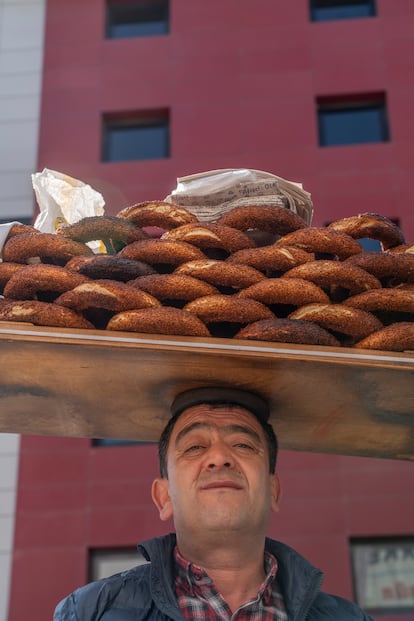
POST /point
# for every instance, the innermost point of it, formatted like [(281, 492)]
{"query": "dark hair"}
[(271, 439)]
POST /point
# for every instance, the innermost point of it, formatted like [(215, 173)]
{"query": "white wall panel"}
[(18, 108), (19, 147), (9, 454), (21, 55), (21, 24), (19, 61), (14, 185)]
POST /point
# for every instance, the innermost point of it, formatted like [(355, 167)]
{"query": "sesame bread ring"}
[(330, 274), (106, 294), (205, 235), (405, 286), (114, 232), (18, 228), (42, 282), (385, 265), (371, 225), (227, 312), (163, 254), (76, 263), (162, 320), (395, 299), (47, 247), (290, 291), (270, 259), (157, 213), (395, 337), (108, 266), (7, 270), (288, 331), (221, 274), (402, 248), (173, 287), (322, 241), (338, 319), (42, 314), (271, 219)]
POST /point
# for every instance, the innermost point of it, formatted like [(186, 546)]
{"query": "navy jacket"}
[(147, 591)]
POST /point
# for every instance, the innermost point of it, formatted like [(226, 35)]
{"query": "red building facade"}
[(241, 84)]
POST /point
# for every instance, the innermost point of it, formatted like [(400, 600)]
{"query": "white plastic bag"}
[(63, 200)]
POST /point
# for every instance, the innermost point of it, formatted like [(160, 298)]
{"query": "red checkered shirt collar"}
[(199, 599)]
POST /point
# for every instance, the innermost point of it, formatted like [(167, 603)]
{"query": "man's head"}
[(217, 398), (217, 468)]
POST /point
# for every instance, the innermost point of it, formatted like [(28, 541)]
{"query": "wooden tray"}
[(99, 384)]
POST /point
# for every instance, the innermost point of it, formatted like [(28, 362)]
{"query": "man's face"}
[(218, 473)]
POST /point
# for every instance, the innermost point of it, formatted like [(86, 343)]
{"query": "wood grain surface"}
[(100, 384)]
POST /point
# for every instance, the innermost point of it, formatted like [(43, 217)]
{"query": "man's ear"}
[(160, 493), (275, 492)]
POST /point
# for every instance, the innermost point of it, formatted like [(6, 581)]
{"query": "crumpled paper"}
[(63, 200), (213, 193)]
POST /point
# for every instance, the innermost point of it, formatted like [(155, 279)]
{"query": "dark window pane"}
[(325, 10), (114, 442), (356, 123), (137, 19), (142, 139), (370, 245)]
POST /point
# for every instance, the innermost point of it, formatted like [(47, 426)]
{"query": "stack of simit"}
[(257, 273)]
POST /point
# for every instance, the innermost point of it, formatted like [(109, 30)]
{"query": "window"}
[(140, 136), (370, 245), (109, 561), (383, 572), (142, 18), (352, 120), (326, 10), (114, 442)]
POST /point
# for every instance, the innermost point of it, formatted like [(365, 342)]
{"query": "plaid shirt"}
[(199, 599)]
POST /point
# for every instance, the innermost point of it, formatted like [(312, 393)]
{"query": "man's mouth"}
[(226, 484)]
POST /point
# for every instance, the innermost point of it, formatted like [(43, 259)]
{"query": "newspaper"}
[(212, 193)]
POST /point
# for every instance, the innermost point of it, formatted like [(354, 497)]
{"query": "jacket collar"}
[(300, 581)]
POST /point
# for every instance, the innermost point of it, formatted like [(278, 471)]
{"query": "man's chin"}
[(218, 521)]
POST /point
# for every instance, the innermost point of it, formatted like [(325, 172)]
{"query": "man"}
[(218, 484)]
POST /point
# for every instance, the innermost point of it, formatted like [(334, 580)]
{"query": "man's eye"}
[(243, 445), (194, 447)]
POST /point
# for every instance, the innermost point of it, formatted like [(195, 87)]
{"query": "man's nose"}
[(220, 456)]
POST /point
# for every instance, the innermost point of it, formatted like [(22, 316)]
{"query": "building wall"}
[(74, 498), (21, 56), (9, 456), (241, 86)]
